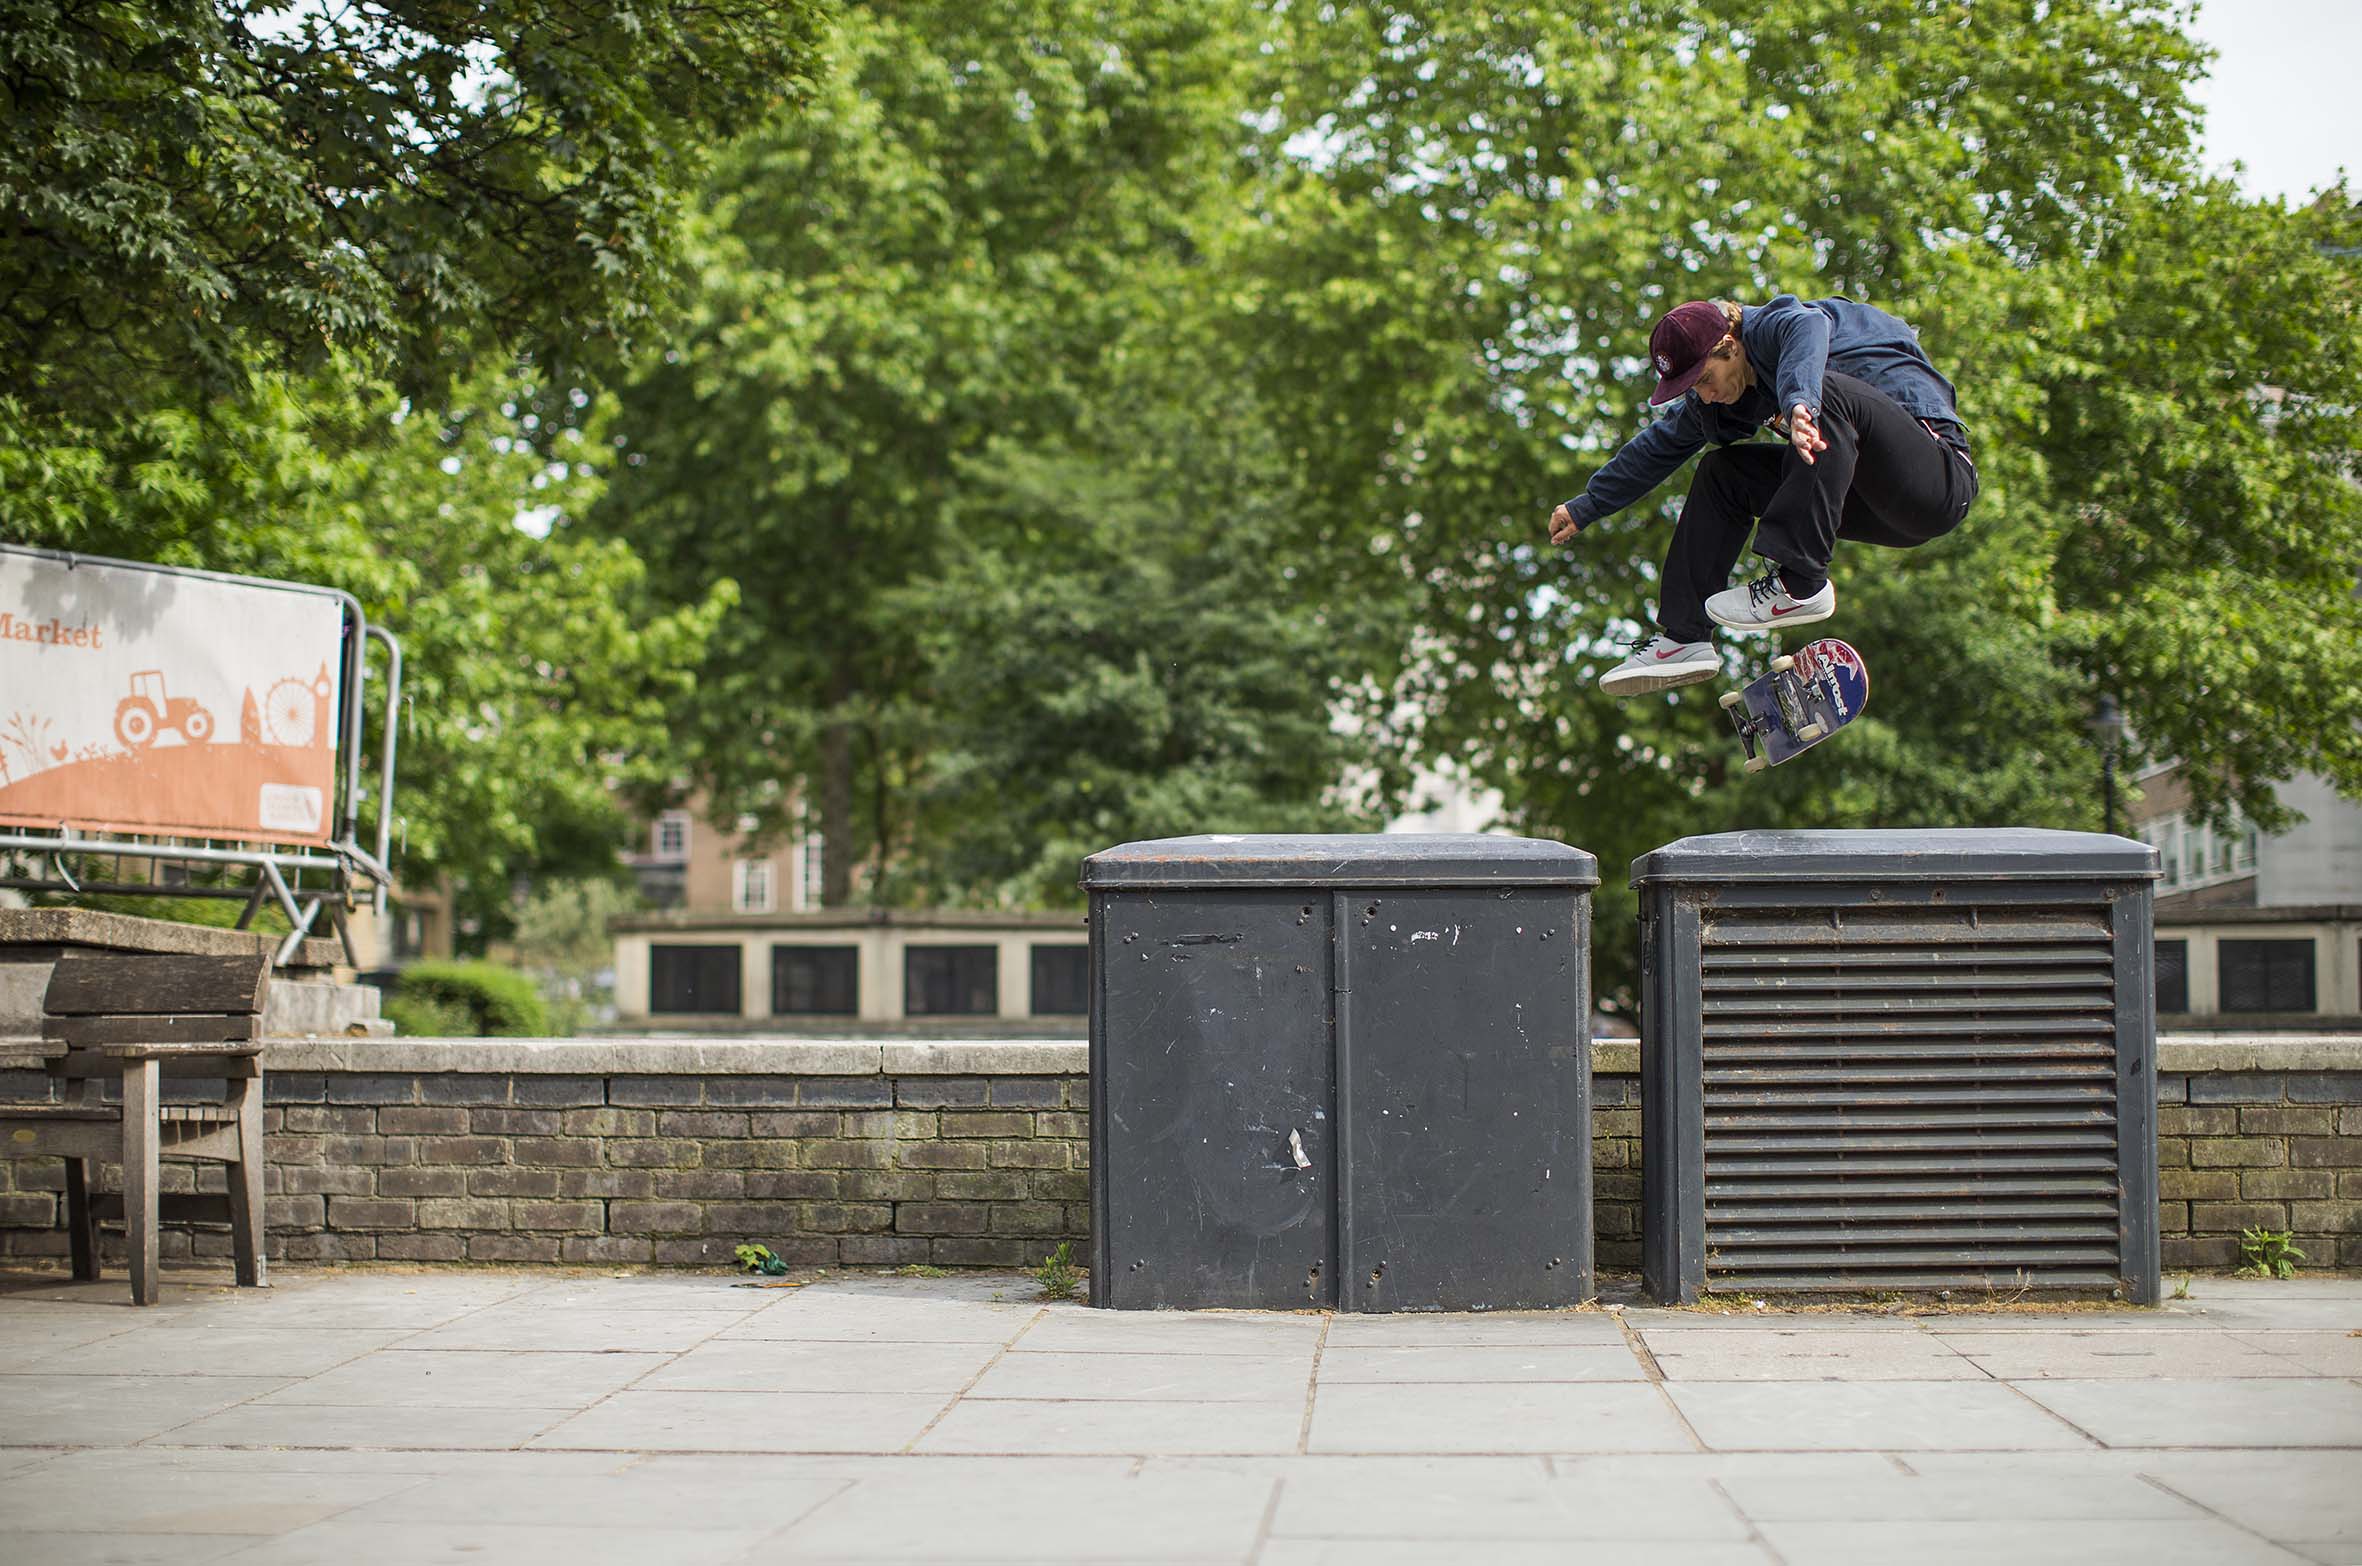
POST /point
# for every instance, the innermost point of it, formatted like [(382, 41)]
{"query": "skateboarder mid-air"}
[(1874, 451)]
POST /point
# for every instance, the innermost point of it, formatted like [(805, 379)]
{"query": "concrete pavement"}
[(520, 1416)]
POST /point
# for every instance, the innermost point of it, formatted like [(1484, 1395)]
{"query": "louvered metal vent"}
[(1910, 1100), (1906, 1061)]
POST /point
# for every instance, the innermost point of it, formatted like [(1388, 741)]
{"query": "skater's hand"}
[(1564, 525), (1804, 434)]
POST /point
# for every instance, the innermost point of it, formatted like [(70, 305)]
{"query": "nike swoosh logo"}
[(1777, 612)]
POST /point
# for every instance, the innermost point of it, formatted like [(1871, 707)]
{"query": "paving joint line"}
[(1320, 1347), (1656, 1380), (1755, 1533), (1040, 1314), (2155, 1483), (1270, 1519)]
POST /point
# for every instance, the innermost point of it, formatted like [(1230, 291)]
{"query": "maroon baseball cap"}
[(1679, 345)]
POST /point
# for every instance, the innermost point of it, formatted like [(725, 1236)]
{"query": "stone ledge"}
[(579, 1057), (2187, 1052), (127, 933), (988, 1057)]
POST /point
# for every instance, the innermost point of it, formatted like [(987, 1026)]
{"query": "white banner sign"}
[(167, 703)]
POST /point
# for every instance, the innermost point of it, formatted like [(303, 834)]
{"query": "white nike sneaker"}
[(1661, 663), (1765, 604)]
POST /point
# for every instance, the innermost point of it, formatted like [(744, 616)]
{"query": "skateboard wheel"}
[(1782, 664), (1757, 763), (1731, 699), (1811, 732)]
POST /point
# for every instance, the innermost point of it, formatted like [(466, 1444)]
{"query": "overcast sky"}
[(2282, 94)]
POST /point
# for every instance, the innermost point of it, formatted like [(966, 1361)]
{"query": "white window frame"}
[(753, 873), (671, 820)]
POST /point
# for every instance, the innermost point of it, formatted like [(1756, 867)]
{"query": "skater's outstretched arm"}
[(1646, 461)]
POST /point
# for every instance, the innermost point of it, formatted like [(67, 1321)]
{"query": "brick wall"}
[(2242, 1147), (672, 1152)]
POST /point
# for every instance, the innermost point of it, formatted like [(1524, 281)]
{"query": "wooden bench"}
[(140, 1019)]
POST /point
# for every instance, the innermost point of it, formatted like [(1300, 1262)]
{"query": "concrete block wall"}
[(2266, 1133)]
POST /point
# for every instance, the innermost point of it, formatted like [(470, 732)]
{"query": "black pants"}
[(1885, 479)]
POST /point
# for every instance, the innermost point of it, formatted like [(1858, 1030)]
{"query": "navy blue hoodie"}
[(1790, 342)]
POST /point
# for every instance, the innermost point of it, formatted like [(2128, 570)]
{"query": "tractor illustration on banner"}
[(148, 712)]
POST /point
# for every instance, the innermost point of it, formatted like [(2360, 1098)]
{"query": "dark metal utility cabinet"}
[(1898, 1060), (1341, 1071)]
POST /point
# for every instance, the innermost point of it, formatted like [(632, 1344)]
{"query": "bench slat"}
[(100, 984), (213, 1028)]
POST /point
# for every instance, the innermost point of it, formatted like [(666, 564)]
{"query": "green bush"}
[(487, 1000), (417, 1017)]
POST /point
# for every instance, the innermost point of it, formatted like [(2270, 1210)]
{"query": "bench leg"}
[(81, 1227), (246, 1202), (142, 1157)]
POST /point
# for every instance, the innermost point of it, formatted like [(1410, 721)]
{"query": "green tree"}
[(193, 188), (1471, 217), (957, 249)]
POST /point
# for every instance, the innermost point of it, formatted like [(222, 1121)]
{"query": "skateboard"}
[(1808, 696)]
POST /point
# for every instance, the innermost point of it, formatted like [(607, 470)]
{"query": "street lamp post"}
[(2107, 730)]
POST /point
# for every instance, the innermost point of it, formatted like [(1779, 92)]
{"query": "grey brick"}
[(2284, 1119), (716, 1252), (1028, 1155), (2173, 1088), (699, 1123), (805, 1123), (422, 1182), (322, 1119), (294, 1087), (654, 1153), (751, 1154), (468, 1213), (826, 1154), (637, 1183), (463, 1150), (609, 1122), (357, 1088), (1061, 1185), (1037, 1218), (822, 1184), (583, 1217), (429, 1120), (938, 1092), (972, 1252), (655, 1092), (883, 1250), (655, 1218), (326, 1245), (28, 1210), (1062, 1124), (421, 1247), (512, 1247), (605, 1248), (700, 1185), (752, 1092), (329, 1180), (848, 1217), (558, 1092), (846, 1092), (559, 1152), (942, 1155), (754, 1218), (968, 1186), (370, 1212), (463, 1087), (490, 1121), (2325, 1087), (294, 1212), (985, 1123), (1028, 1092), (504, 1180), (2237, 1087), (941, 1218), (859, 1123)]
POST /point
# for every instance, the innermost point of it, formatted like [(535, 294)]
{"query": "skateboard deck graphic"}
[(1806, 697)]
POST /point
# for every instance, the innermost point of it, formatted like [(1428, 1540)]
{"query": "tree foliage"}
[(193, 188)]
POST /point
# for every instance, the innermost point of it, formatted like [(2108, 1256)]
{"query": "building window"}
[(815, 981), (812, 850), (1061, 979), (2169, 855), (693, 979), (672, 835), (952, 981), (750, 890), (2193, 853), (2173, 976), (2266, 975)]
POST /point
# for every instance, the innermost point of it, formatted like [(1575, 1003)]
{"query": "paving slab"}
[(104, 1549), (1885, 1416), (1012, 1426), (1491, 1417), (2045, 1542), (2099, 1356), (2316, 1353), (1498, 1499), (191, 1501), (1074, 1330), (437, 1543), (2208, 1413), (2308, 1501), (1164, 1378), (884, 1319), (1504, 1552), (1484, 1329), (218, 1350), (524, 1325), (53, 1410), (1480, 1362), (472, 1379), (748, 1422), (634, 1498), (1793, 1353), (1006, 1514), (418, 1426), (790, 1365), (2060, 1490)]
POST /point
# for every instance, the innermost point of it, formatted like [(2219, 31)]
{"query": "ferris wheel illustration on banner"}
[(295, 713)]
